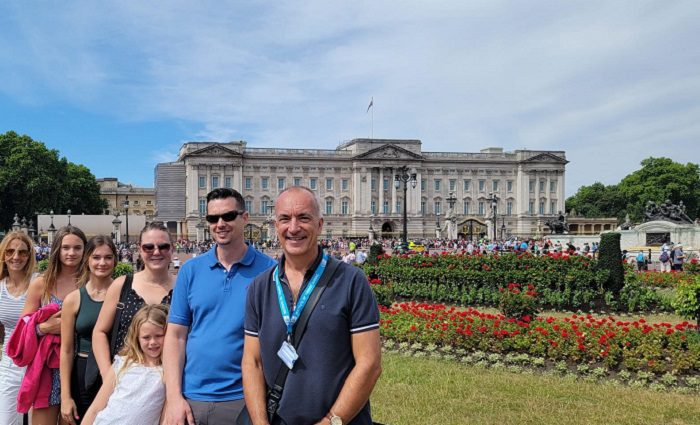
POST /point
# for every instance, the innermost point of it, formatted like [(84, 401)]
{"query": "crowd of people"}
[(199, 347), (234, 333)]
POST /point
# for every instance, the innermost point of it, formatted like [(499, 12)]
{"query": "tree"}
[(659, 179), (34, 178), (597, 200)]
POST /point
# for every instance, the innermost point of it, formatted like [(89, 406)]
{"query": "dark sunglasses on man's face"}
[(148, 248), (227, 216)]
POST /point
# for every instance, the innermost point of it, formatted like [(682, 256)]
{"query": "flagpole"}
[(372, 134)]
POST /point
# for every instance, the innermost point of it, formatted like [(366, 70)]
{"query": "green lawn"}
[(427, 391)]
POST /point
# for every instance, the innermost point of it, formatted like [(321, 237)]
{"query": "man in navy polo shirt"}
[(339, 356), (204, 342)]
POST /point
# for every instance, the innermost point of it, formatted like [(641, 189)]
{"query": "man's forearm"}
[(173, 363), (356, 390)]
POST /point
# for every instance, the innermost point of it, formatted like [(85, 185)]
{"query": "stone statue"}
[(627, 224), (450, 224), (559, 225), (666, 212)]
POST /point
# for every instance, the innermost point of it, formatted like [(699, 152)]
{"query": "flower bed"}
[(561, 282), (658, 348), (656, 279)]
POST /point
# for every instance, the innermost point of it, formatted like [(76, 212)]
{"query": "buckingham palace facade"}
[(355, 186)]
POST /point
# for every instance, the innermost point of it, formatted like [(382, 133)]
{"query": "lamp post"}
[(68, 213), (503, 227), (52, 229), (402, 175), (493, 198), (125, 204)]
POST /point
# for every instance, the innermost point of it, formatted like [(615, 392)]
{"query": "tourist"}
[(204, 342), (641, 261), (80, 310), (51, 288), (16, 271), (152, 285), (677, 258), (133, 391), (339, 355)]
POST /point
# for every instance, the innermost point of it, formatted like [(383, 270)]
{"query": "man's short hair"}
[(316, 205), (223, 193)]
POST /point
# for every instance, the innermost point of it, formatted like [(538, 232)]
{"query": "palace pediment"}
[(546, 158), (388, 151), (216, 150)]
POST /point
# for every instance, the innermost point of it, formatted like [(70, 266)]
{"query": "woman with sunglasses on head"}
[(152, 285), (17, 265), (80, 310), (46, 293)]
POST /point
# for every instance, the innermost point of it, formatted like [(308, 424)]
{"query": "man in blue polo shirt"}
[(204, 342), (339, 354)]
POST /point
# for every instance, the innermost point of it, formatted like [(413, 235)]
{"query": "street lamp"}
[(402, 175), (493, 197), (68, 213), (52, 229), (125, 204)]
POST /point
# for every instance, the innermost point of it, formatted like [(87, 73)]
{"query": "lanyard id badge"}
[(287, 352)]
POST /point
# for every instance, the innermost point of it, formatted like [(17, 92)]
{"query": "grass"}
[(428, 391)]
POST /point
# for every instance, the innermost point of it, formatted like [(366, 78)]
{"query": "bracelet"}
[(38, 331)]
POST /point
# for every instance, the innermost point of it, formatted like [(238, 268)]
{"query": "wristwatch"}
[(335, 420)]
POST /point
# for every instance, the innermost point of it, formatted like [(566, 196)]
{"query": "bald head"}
[(300, 191)]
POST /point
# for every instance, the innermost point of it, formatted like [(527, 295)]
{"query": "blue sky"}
[(120, 86)]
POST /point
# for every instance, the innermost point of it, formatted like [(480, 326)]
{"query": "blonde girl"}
[(80, 310), (133, 390), (60, 279), (17, 263)]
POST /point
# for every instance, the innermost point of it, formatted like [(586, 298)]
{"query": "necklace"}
[(95, 291)]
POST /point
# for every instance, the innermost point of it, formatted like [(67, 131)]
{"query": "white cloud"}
[(587, 77)]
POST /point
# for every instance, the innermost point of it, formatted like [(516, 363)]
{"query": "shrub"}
[(610, 260), (375, 250), (516, 303), (121, 269), (382, 292), (687, 301), (42, 265)]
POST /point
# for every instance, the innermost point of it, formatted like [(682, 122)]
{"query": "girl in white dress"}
[(133, 391)]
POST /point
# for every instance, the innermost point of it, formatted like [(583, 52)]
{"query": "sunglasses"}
[(10, 252), (227, 216), (148, 248)]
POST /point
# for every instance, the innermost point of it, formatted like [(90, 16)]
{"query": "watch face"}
[(336, 420)]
